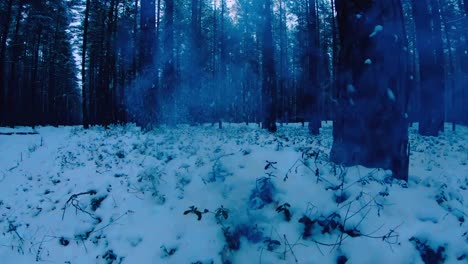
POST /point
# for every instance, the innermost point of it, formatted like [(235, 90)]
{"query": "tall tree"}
[(269, 93), (195, 59), (370, 127), (147, 57), (283, 61), (167, 98), (431, 66), (84, 87), (312, 91), (463, 53)]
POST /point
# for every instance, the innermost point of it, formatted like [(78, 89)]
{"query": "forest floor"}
[(69, 195)]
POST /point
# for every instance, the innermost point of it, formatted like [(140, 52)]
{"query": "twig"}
[(290, 248), (111, 223), (73, 201)]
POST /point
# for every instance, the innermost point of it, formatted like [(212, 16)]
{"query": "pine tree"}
[(370, 127)]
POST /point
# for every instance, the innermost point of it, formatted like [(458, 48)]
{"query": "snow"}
[(390, 94), (376, 31), (350, 88), (119, 195)]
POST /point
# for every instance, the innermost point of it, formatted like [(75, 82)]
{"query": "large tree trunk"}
[(370, 126), (312, 92), (431, 66), (269, 93)]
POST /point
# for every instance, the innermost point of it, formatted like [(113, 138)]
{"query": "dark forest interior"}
[(373, 67)]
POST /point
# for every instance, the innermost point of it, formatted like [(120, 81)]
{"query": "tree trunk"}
[(282, 62), (13, 86), (269, 93), (223, 78), (370, 127), (4, 37), (84, 87), (431, 66), (169, 71), (312, 92), (34, 92), (196, 69), (463, 81)]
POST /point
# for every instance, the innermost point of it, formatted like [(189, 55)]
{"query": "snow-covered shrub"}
[(251, 232), (151, 181), (428, 254), (262, 194), (219, 172)]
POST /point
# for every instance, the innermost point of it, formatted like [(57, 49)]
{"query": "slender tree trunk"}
[(283, 63), (84, 82), (194, 75), (431, 66), (312, 93), (463, 81), (269, 93), (222, 63), (52, 115), (169, 72), (35, 85)]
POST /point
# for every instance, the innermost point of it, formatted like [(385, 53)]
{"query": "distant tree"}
[(431, 66), (196, 57), (38, 73), (148, 50), (13, 83), (7, 10), (463, 55), (167, 97), (172, 61), (223, 61), (312, 52), (370, 126), (84, 81), (282, 62)]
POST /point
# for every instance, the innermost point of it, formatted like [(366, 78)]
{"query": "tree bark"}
[(269, 93), (431, 66), (312, 92), (370, 126), (169, 71)]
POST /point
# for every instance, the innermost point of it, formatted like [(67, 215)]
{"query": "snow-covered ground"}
[(123, 196)]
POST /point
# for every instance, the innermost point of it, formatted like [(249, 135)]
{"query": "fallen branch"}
[(18, 133)]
